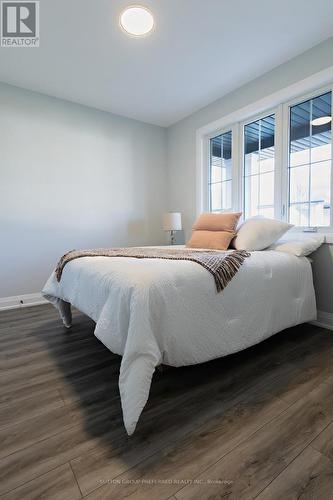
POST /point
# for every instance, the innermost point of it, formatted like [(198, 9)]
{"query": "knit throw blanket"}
[(221, 265)]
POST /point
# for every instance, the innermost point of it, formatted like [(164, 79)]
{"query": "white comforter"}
[(163, 311)]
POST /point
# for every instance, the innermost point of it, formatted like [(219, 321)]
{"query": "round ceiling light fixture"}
[(137, 21), (321, 121)]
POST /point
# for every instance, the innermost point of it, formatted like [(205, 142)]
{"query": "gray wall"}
[(72, 177), (323, 277)]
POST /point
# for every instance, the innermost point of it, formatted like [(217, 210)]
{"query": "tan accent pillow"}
[(214, 231), (214, 240), (218, 222)]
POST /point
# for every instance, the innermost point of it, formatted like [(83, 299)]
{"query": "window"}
[(259, 160), (277, 164), (220, 173), (310, 160)]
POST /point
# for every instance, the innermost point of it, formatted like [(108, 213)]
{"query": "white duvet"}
[(168, 311)]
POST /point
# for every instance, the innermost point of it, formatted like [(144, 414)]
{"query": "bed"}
[(154, 312)]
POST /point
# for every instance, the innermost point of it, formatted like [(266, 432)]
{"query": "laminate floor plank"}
[(50, 374), (308, 477), (76, 382), (26, 357), (58, 484), (324, 442), (18, 436), (18, 411)]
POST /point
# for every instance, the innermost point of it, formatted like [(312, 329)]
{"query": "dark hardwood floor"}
[(257, 424)]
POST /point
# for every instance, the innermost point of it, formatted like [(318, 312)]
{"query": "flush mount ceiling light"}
[(137, 21), (321, 121)]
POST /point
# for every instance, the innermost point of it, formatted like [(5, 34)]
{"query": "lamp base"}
[(172, 238)]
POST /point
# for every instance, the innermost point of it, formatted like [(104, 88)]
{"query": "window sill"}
[(326, 232)]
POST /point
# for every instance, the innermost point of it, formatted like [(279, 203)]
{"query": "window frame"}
[(269, 112), (209, 201), (286, 172), (234, 169), (281, 110)]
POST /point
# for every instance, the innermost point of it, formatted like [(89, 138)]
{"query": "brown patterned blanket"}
[(222, 265)]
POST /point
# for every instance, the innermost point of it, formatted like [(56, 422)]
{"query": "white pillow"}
[(258, 233), (299, 245)]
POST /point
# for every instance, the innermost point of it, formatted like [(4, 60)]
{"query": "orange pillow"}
[(214, 231), (214, 240), (226, 221)]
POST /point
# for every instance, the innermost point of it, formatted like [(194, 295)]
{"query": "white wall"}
[(72, 177), (181, 137)]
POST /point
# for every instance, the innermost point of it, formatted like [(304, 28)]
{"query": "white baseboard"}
[(26, 300), (324, 319)]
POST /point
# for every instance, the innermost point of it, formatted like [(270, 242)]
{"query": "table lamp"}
[(172, 221)]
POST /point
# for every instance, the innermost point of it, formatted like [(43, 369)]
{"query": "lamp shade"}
[(172, 221)]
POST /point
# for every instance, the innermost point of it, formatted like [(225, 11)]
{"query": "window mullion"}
[(279, 163), (285, 117), (236, 165)]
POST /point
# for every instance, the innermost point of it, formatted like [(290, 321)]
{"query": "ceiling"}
[(200, 51)]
